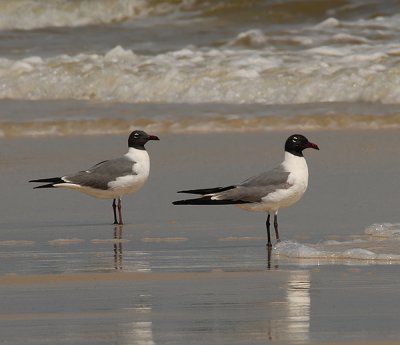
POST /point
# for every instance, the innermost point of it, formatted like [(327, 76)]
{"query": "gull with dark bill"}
[(111, 179), (267, 192)]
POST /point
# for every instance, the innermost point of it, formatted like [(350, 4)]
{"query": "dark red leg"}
[(119, 212), (276, 227), (114, 206), (267, 224)]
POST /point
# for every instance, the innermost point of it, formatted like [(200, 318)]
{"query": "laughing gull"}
[(267, 192), (111, 179)]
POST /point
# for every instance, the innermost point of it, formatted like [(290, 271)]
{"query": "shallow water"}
[(186, 275), (281, 307), (69, 118), (43, 224)]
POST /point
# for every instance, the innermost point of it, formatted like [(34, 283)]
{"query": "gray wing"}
[(99, 175), (256, 188), (273, 177)]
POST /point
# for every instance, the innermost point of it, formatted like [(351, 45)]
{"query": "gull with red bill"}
[(267, 192), (111, 179)]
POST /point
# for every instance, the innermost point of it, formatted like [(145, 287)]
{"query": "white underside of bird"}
[(295, 187), (121, 185)]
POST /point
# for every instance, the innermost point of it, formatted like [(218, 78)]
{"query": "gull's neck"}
[(292, 161), (134, 154), (290, 156)]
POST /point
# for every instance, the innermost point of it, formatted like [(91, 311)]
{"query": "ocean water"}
[(98, 67)]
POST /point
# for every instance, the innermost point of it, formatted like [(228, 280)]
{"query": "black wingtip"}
[(207, 201), (179, 202), (51, 180), (205, 191), (197, 201), (50, 185)]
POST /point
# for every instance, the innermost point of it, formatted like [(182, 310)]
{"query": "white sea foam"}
[(326, 253), (387, 230), (354, 60), (192, 75), (329, 51), (348, 38), (327, 23), (251, 38), (380, 246), (298, 250)]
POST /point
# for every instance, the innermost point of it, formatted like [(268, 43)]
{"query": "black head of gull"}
[(138, 139), (296, 143)]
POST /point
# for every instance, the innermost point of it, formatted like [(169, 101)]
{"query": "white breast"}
[(298, 177), (140, 173), (142, 161)]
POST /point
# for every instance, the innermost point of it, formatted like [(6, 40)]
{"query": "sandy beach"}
[(198, 274)]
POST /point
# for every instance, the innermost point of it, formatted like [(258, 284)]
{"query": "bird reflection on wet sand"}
[(118, 232)]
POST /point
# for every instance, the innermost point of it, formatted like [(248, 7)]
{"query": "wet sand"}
[(190, 275)]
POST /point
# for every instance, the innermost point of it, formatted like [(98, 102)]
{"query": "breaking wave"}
[(28, 14), (197, 76)]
